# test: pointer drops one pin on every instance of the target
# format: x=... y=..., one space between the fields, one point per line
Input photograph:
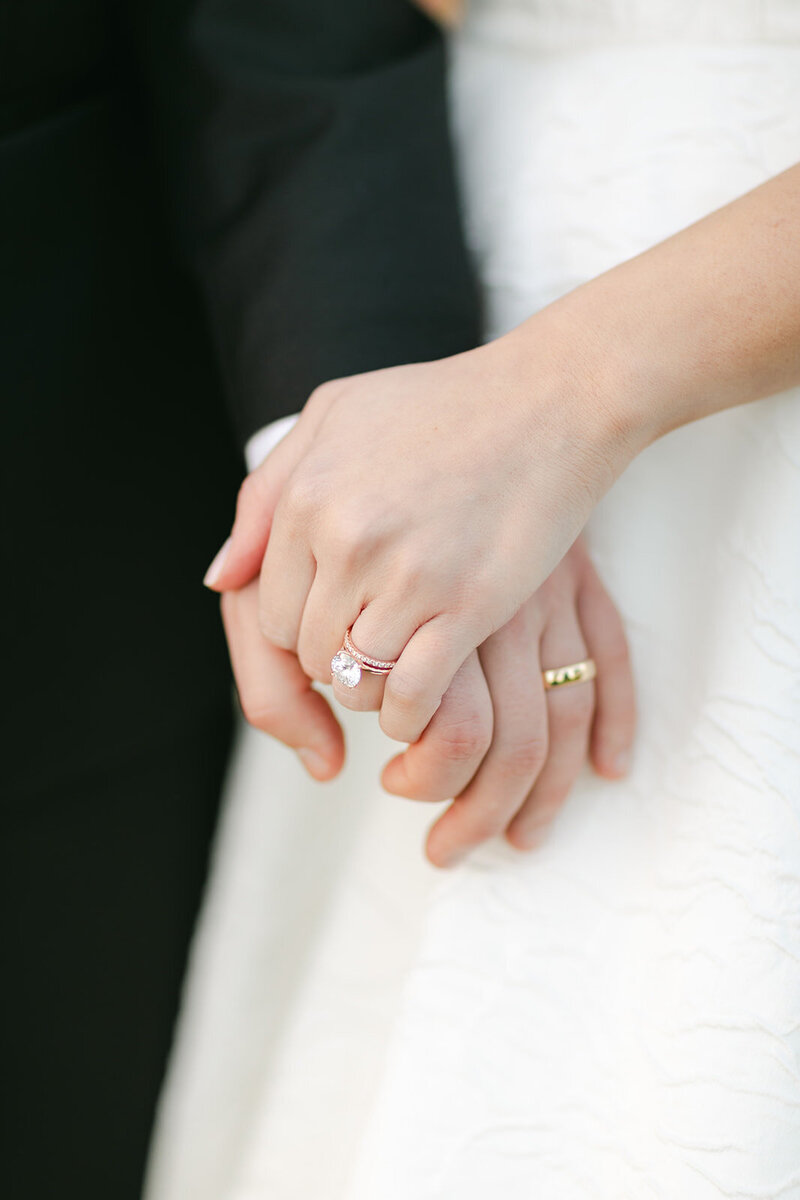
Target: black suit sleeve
x=312 y=182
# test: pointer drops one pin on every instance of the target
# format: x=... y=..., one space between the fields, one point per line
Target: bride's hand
x=508 y=750
x=426 y=503
x=422 y=505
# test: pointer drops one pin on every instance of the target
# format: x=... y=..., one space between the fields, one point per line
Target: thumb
x=239 y=559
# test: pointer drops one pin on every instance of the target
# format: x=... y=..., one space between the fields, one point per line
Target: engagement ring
x=349 y=662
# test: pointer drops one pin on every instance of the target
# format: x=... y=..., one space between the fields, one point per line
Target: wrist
x=577 y=380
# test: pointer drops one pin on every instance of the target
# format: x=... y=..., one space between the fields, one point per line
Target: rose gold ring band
x=348 y=664
x=381 y=666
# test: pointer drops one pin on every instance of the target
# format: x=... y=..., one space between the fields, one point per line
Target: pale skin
x=506 y=750
x=491 y=461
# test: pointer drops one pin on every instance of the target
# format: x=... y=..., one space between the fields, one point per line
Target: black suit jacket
x=270 y=177
x=311 y=179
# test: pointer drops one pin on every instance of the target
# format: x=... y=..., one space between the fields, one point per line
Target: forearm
x=706 y=320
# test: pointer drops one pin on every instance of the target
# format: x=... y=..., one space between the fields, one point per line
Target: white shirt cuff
x=266 y=439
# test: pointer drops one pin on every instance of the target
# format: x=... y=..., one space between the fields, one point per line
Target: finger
x=614 y=722
x=275 y=695
x=569 y=717
x=510 y=660
x=450 y=750
x=287 y=576
x=239 y=559
x=330 y=609
x=424 y=671
x=367 y=696
x=377 y=630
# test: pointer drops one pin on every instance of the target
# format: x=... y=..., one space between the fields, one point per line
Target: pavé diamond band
x=349 y=662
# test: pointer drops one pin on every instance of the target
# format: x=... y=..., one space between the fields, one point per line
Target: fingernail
x=622 y=762
x=313 y=761
x=457 y=857
x=218 y=562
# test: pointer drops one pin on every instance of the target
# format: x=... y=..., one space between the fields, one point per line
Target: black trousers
x=102 y=876
x=119 y=476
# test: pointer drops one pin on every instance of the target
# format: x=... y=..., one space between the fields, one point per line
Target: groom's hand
x=506 y=749
x=420 y=506
x=275 y=694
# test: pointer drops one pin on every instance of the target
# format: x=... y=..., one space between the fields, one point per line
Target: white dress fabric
x=615 y=1016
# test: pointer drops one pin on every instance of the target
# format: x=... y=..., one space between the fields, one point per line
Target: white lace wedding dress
x=616 y=1016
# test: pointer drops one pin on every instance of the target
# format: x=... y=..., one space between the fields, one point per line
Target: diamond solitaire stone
x=345 y=668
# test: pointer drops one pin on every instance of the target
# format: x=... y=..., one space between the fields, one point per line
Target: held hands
x=421 y=505
x=424 y=504
x=506 y=749
x=435 y=509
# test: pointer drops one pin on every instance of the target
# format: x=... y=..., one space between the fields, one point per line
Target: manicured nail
x=215 y=570
x=314 y=763
x=622 y=762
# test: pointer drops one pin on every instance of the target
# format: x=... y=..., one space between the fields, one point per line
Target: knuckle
x=577 y=710
x=313 y=667
x=523 y=759
x=467 y=739
x=407 y=691
x=414 y=571
x=275 y=631
x=349 y=535
x=424 y=781
x=258 y=712
x=305 y=494
x=400 y=727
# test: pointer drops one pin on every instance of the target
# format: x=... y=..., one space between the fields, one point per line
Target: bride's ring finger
x=358 y=680
x=570 y=708
x=366 y=697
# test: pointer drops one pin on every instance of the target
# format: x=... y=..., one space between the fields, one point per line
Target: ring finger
x=569 y=719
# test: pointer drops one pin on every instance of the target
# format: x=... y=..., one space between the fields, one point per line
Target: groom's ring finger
x=570 y=707
x=580 y=672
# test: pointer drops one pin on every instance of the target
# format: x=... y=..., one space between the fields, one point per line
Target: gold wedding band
x=580 y=672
